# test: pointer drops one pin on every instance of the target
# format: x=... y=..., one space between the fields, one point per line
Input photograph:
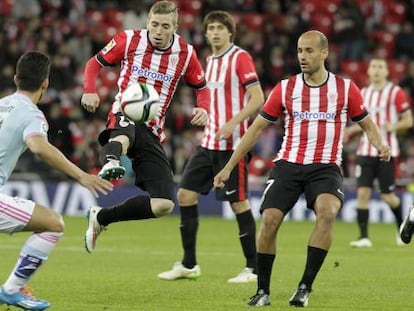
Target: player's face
x=161 y=28
x=217 y=35
x=377 y=71
x=311 y=56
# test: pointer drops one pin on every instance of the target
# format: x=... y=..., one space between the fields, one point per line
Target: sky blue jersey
x=19 y=120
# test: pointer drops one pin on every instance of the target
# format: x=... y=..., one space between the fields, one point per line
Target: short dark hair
x=222 y=17
x=31 y=70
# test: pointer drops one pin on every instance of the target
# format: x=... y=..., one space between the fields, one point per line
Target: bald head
x=316 y=37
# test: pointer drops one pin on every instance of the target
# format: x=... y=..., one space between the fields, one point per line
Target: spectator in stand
x=391 y=110
x=404 y=41
x=407 y=82
x=348 y=30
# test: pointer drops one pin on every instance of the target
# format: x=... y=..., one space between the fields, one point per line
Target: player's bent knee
x=162 y=207
x=186 y=197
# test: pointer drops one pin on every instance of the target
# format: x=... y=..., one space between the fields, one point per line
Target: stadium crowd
x=71 y=31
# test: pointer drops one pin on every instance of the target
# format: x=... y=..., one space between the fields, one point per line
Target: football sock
x=111 y=151
x=33 y=253
x=264 y=271
x=135 y=208
x=188 y=229
x=398 y=215
x=362 y=218
x=247 y=236
x=314 y=261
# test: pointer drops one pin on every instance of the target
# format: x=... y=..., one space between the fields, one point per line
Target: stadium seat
x=385 y=42
x=397 y=70
x=254 y=21
x=355 y=70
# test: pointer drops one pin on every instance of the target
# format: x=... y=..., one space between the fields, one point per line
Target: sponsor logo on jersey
x=309 y=115
x=109 y=46
x=45 y=127
x=153 y=75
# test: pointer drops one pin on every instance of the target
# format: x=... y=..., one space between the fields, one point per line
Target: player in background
x=315 y=105
x=156 y=56
x=22 y=126
x=389 y=108
x=236 y=95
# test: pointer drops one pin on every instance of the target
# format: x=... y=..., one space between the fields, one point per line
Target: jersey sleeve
x=401 y=101
x=114 y=51
x=356 y=108
x=195 y=76
x=246 y=70
x=35 y=124
x=273 y=107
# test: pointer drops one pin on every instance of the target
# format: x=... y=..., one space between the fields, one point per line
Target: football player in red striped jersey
x=315 y=105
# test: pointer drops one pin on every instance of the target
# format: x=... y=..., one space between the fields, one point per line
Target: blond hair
x=164 y=8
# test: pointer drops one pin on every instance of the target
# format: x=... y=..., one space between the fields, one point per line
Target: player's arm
x=405 y=122
x=245 y=145
x=195 y=78
x=39 y=145
x=359 y=114
x=111 y=54
x=374 y=136
x=255 y=101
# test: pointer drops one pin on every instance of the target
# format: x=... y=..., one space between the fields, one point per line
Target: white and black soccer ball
x=140 y=102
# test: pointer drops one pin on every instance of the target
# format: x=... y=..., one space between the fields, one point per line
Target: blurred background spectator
x=70 y=31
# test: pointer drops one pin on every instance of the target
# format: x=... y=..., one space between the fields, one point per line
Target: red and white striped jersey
x=141 y=62
x=384 y=106
x=228 y=76
x=314 y=117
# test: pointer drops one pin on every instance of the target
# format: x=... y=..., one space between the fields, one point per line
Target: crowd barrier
x=70 y=198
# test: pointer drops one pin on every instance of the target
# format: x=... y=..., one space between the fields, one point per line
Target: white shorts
x=15 y=213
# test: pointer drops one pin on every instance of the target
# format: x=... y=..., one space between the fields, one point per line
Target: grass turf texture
x=122 y=273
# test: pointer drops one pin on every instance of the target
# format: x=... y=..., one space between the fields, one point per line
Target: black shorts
x=287 y=181
x=153 y=172
x=204 y=164
x=371 y=168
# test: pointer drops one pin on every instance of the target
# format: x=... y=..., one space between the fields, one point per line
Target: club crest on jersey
x=173 y=60
x=109 y=46
x=333 y=97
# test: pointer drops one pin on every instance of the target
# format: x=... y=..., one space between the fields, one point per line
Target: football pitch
x=122 y=273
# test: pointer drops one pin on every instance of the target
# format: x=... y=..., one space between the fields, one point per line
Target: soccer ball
x=140 y=102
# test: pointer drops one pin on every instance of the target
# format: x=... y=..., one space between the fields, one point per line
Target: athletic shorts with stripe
x=204 y=164
x=370 y=168
x=287 y=181
x=153 y=172
x=15 y=213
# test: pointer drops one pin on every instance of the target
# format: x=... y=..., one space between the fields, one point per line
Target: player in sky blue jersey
x=23 y=126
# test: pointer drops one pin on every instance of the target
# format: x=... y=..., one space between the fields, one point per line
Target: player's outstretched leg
x=94 y=228
x=23 y=299
x=407 y=227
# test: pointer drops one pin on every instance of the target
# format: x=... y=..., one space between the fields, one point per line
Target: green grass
x=122 y=273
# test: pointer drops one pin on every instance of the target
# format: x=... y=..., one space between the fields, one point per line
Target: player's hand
x=226 y=131
x=384 y=153
x=221 y=178
x=96 y=184
x=200 y=117
x=90 y=101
